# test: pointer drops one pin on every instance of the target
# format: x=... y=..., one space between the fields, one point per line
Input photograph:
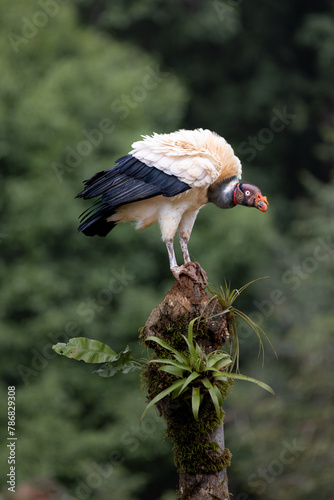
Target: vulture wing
x=197 y=157
x=162 y=164
x=129 y=181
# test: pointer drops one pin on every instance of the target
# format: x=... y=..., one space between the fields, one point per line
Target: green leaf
x=196 y=401
x=214 y=358
x=192 y=376
x=194 y=353
x=162 y=395
x=191 y=330
x=219 y=395
x=176 y=392
x=257 y=329
x=162 y=343
x=219 y=377
x=182 y=366
x=173 y=370
x=212 y=369
x=121 y=362
x=219 y=314
x=199 y=350
x=201 y=364
x=83 y=349
x=238 y=376
x=217 y=358
x=193 y=356
x=224 y=362
x=238 y=292
x=206 y=382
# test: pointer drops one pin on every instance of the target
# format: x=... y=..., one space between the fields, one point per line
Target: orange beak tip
x=261 y=203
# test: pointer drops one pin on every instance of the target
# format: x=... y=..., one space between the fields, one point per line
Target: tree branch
x=199 y=450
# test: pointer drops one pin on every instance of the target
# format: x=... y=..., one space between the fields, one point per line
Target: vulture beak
x=261 y=202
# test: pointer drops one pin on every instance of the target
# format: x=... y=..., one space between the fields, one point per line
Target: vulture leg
x=184 y=247
x=169 y=223
x=184 y=231
x=185 y=228
x=171 y=255
x=175 y=269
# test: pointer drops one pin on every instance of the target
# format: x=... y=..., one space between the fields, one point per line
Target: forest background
x=80 y=81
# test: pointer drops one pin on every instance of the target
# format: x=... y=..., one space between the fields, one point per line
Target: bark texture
x=206 y=486
x=199 y=450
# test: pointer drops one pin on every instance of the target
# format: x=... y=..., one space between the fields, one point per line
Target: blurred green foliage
x=79 y=83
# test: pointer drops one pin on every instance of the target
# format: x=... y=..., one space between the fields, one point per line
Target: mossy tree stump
x=199 y=450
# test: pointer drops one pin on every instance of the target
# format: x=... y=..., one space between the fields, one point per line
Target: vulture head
x=229 y=193
x=249 y=195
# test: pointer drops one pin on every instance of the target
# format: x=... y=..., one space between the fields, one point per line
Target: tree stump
x=199 y=450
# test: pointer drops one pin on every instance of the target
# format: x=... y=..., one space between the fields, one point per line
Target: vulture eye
x=247 y=192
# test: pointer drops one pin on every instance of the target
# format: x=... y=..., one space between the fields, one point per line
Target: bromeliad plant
x=197 y=373
x=226 y=297
x=194 y=372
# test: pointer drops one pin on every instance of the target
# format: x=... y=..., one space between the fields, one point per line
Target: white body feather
x=168 y=211
x=197 y=157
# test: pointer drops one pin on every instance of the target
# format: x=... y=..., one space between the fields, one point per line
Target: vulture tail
x=95 y=224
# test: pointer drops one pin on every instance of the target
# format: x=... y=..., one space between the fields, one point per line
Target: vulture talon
x=192 y=271
x=167 y=178
x=177 y=271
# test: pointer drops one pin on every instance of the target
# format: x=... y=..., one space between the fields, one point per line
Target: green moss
x=225 y=387
x=174 y=334
x=154 y=381
x=192 y=450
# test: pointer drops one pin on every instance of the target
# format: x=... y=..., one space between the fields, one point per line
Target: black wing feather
x=129 y=181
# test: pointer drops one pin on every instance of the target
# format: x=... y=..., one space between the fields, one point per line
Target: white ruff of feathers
x=197 y=157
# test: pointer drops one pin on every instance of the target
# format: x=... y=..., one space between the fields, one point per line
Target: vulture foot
x=191 y=269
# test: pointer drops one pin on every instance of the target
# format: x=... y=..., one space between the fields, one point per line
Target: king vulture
x=167 y=178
